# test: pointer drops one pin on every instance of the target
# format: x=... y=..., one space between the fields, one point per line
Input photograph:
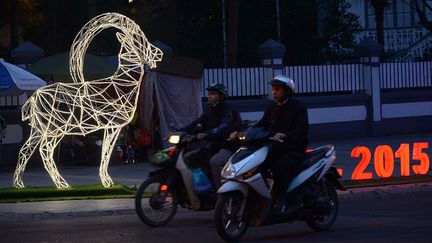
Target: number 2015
x=384 y=160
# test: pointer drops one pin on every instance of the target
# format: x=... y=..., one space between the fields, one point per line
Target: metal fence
x=322 y=79
x=406 y=75
x=326 y=78
x=239 y=81
x=309 y=79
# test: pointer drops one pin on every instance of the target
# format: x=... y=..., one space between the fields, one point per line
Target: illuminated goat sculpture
x=83 y=107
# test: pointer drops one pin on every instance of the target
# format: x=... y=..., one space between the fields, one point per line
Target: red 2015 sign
x=384 y=158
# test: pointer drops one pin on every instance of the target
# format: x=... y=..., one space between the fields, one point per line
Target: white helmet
x=283 y=80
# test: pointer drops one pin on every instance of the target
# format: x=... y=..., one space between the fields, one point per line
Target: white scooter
x=245 y=198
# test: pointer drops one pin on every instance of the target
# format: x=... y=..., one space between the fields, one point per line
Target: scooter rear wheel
x=155 y=202
x=325 y=218
x=231 y=224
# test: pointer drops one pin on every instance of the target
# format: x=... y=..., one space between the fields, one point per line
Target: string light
x=83 y=107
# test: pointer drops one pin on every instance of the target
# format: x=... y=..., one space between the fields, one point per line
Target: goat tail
x=26 y=109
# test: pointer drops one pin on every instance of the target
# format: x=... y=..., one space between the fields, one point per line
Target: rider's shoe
x=280 y=207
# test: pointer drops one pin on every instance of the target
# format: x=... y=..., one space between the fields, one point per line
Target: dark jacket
x=2 y=123
x=290 y=118
x=218 y=122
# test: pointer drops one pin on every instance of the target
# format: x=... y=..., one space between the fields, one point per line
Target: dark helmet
x=219 y=88
x=283 y=80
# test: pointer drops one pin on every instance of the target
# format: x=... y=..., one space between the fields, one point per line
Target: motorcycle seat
x=314 y=156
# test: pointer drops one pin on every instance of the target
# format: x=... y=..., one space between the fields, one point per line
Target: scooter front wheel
x=231 y=216
x=156 y=202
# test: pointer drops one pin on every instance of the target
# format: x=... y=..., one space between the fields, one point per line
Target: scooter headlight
x=229 y=171
x=174 y=139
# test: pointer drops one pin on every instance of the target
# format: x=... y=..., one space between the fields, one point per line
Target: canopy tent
x=27 y=53
x=16 y=84
x=174 y=90
x=56 y=67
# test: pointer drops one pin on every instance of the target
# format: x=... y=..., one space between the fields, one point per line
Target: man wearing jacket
x=215 y=125
x=2 y=128
x=287 y=119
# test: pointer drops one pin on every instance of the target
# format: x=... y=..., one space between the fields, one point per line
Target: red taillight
x=309 y=150
x=164 y=188
x=171 y=151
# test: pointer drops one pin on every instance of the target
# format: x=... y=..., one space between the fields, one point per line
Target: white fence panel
x=239 y=81
x=319 y=79
x=406 y=75
x=327 y=78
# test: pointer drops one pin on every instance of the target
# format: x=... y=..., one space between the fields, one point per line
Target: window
x=403 y=14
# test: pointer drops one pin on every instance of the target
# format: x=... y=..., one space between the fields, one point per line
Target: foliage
x=194 y=29
x=299 y=31
x=200 y=30
x=255 y=19
x=339 y=27
x=52 y=25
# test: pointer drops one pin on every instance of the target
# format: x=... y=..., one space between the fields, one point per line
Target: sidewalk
x=135 y=174
x=127 y=174
x=107 y=207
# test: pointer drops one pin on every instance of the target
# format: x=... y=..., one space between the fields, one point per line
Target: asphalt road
x=401 y=217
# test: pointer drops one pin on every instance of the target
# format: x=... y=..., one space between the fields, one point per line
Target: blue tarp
x=6 y=81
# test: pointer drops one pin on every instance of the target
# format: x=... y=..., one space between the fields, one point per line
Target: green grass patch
x=32 y=194
x=386 y=181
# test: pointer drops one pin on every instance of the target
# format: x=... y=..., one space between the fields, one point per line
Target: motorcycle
x=172 y=184
x=245 y=197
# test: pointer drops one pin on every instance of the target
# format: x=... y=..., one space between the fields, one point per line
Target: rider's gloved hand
x=233 y=135
x=201 y=136
x=278 y=137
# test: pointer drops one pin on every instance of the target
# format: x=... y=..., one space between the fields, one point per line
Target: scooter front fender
x=230 y=186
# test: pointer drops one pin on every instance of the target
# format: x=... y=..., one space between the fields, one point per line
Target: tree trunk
x=379 y=19
x=172 y=23
x=14 y=24
x=52 y=18
x=379 y=6
x=233 y=18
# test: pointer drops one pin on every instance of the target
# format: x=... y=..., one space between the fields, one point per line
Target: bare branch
x=422 y=15
x=428 y=5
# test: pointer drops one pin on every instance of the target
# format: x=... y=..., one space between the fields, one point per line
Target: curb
x=385 y=190
x=370 y=192
x=8 y=217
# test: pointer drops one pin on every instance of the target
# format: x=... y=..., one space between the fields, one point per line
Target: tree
x=14 y=23
x=427 y=23
x=299 y=31
x=379 y=7
x=233 y=20
x=256 y=25
x=200 y=31
x=339 y=27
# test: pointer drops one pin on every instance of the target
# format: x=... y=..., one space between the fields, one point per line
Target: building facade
x=404 y=38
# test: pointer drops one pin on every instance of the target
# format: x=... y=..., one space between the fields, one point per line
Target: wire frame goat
x=82 y=107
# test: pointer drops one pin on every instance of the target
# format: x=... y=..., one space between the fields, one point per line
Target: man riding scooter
x=212 y=129
x=287 y=120
x=303 y=185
